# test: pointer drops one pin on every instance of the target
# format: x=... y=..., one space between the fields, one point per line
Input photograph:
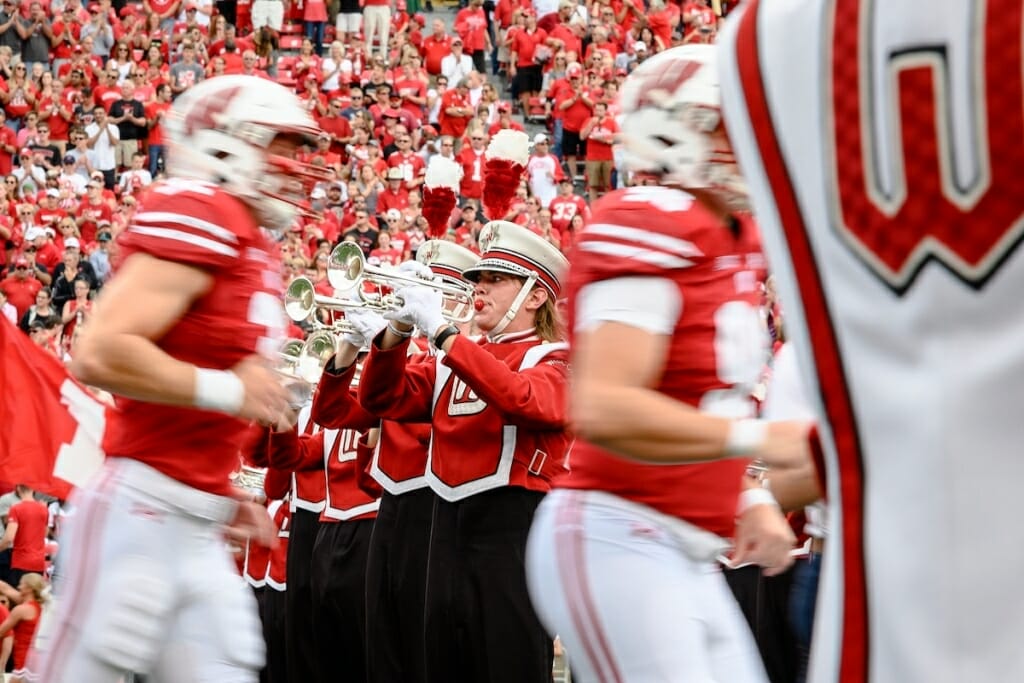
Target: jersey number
x=929 y=146
x=741 y=349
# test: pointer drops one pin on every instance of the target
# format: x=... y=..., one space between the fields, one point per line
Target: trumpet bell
x=299 y=299
x=345 y=266
x=319 y=348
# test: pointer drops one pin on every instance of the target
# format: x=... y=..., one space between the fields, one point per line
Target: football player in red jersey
x=497 y=410
x=668 y=343
x=183 y=336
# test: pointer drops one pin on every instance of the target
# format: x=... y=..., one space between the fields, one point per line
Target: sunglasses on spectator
x=22 y=268
x=475 y=137
x=19 y=68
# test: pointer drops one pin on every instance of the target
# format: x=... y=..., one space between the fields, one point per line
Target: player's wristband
x=745 y=438
x=219 y=390
x=754 y=496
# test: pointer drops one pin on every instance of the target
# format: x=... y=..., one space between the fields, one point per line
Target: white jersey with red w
x=883 y=143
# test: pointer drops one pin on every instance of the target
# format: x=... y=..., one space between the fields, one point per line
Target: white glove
x=416 y=269
x=367 y=324
x=421 y=306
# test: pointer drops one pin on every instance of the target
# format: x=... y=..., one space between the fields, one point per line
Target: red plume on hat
x=440 y=193
x=506 y=158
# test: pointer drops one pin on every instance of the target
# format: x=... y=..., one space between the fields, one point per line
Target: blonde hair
x=37 y=584
x=548 y=322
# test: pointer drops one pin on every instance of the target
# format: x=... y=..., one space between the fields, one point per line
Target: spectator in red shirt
x=456 y=111
x=394 y=196
x=472 y=160
x=8 y=145
x=576 y=108
x=505 y=120
x=599 y=132
x=566 y=205
x=155 y=112
x=26 y=535
x=471 y=24
x=386 y=252
x=22 y=286
x=529 y=51
x=407 y=161
x=435 y=47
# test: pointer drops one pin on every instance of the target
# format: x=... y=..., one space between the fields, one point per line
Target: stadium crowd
x=84 y=88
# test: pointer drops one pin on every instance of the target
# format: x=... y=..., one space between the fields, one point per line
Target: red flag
x=50 y=426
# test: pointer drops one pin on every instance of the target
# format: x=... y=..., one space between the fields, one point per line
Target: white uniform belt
x=698 y=544
x=190 y=502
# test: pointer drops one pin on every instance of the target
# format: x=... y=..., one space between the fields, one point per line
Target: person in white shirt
x=542 y=171
x=456 y=65
x=103 y=139
x=137 y=177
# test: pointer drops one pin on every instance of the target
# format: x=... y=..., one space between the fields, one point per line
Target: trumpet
x=347 y=269
x=301 y=301
x=302 y=363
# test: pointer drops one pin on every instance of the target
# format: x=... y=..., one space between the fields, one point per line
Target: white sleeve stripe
x=656 y=258
x=675 y=245
x=217 y=231
x=186 y=237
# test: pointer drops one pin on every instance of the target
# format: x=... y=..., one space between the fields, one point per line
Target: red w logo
x=666 y=81
x=204 y=114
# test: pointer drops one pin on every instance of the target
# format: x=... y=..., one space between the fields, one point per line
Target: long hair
x=548 y=321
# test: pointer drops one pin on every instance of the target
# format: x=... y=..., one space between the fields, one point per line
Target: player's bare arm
x=118 y=351
x=615 y=406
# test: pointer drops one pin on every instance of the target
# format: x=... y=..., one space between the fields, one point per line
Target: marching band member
x=497 y=410
x=668 y=343
x=397 y=563
x=337 y=561
x=182 y=335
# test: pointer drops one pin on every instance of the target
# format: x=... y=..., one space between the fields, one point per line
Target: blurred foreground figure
x=668 y=345
x=883 y=150
x=181 y=336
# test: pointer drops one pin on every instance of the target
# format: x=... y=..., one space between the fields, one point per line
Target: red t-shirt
x=434 y=50
x=29 y=551
x=524 y=44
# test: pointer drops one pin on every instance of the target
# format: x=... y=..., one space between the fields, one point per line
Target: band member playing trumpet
x=397 y=564
x=498 y=412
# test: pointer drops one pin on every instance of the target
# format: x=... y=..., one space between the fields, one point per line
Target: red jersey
x=197 y=224
x=714 y=357
x=386 y=200
x=29 y=551
x=564 y=208
x=498 y=410
x=412 y=165
x=472 y=183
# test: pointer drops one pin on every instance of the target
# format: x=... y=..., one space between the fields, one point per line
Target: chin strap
x=513 y=309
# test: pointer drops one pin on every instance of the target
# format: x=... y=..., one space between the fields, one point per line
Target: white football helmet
x=220 y=131
x=671 y=124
